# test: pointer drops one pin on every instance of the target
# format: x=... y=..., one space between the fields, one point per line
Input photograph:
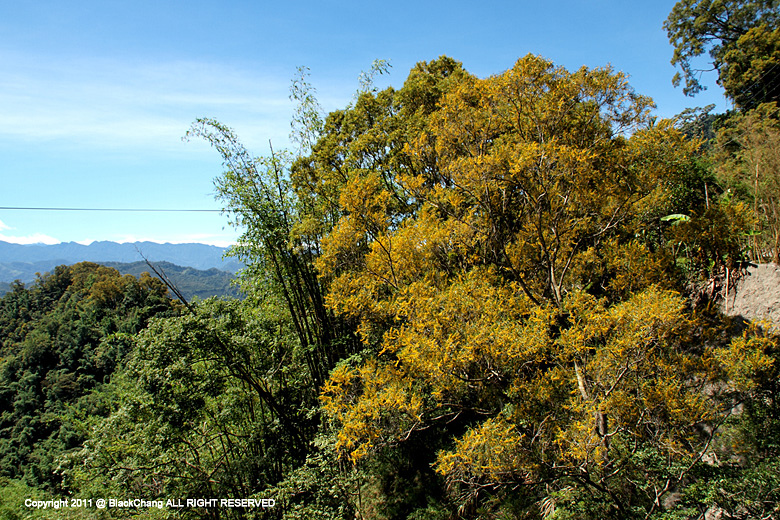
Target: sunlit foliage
x=471 y=272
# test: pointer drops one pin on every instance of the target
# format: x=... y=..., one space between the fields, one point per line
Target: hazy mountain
x=190 y=281
x=25 y=271
x=23 y=261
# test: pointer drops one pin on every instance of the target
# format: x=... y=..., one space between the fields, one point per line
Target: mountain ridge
x=22 y=261
x=190 y=281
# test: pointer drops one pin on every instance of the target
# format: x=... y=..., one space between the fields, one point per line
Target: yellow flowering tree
x=506 y=301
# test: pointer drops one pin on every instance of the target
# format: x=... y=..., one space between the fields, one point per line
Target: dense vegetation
x=467 y=298
x=190 y=282
x=63 y=339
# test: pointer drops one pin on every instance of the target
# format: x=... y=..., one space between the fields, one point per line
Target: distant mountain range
x=197 y=269
x=23 y=261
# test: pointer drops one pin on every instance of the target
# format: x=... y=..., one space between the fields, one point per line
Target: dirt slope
x=757 y=294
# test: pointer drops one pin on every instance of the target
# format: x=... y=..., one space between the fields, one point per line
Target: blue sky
x=96 y=96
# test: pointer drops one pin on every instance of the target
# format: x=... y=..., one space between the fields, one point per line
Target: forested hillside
x=191 y=282
x=467 y=298
x=63 y=339
x=22 y=262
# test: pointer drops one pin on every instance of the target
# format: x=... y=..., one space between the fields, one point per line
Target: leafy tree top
x=695 y=27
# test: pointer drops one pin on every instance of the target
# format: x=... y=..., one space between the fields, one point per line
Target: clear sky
x=95 y=96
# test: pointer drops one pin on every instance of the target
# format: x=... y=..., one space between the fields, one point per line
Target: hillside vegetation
x=62 y=341
x=191 y=282
x=467 y=298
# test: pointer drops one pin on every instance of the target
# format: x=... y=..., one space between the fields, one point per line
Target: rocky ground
x=756 y=294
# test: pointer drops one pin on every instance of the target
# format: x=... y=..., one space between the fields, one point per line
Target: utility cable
x=158 y=210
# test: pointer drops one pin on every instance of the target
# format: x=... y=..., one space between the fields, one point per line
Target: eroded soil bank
x=756 y=294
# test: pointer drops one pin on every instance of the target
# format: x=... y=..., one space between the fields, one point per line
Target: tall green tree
x=212 y=404
x=751 y=71
x=276 y=247
x=739 y=37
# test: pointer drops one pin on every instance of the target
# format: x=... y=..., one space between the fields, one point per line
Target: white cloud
x=109 y=103
x=36 y=238
x=4 y=226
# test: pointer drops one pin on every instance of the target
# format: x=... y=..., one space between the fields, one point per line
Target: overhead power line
x=157 y=210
